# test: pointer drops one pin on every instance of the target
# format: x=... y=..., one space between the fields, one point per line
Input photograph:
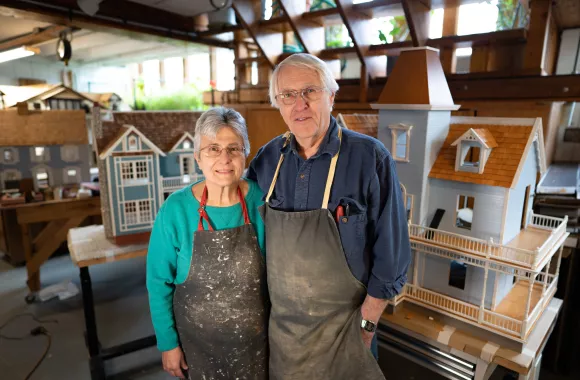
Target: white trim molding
x=130 y=129
x=396 y=130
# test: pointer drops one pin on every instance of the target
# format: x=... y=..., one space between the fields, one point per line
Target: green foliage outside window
x=188 y=98
x=337 y=36
x=511 y=15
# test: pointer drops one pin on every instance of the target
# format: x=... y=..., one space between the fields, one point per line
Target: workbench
x=58 y=217
x=88 y=246
x=423 y=337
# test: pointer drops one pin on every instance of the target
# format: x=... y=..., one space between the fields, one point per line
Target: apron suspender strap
x=273 y=184
x=329 y=179
x=203 y=214
x=331 y=172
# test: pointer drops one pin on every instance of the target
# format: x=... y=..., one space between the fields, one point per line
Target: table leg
x=96 y=361
x=484 y=370
x=33 y=281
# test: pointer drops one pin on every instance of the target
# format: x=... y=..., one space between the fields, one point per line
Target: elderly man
x=336 y=232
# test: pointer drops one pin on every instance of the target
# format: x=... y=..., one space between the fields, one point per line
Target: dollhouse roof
x=513 y=140
x=163 y=129
x=361 y=123
x=482 y=135
x=17 y=94
x=58 y=127
x=417 y=82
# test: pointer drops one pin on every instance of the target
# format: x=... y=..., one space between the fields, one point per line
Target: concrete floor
x=122 y=315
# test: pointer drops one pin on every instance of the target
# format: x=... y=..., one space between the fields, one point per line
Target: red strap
x=203 y=214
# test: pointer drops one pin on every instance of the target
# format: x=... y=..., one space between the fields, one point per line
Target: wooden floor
x=530 y=238
x=514 y=303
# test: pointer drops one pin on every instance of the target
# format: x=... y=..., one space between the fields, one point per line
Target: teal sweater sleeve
x=170 y=250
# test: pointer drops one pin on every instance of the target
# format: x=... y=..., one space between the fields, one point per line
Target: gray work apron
x=315 y=320
x=221 y=309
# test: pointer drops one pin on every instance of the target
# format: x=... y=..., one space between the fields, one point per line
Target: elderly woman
x=338 y=244
x=205 y=268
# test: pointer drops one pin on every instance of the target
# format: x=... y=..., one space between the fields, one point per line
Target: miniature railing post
x=532 y=280
x=545 y=282
x=416 y=269
x=486 y=271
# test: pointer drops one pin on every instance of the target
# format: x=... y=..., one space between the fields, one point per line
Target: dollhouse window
x=8 y=177
x=134 y=173
x=144 y=211
x=464 y=212
x=130 y=213
x=401 y=138
x=132 y=143
x=69 y=153
x=187 y=144
x=470 y=155
x=473 y=149
x=9 y=156
x=39 y=154
x=137 y=212
x=42 y=178
x=408 y=199
x=71 y=175
x=457 y=274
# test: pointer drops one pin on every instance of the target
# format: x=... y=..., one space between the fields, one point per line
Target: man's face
x=306 y=119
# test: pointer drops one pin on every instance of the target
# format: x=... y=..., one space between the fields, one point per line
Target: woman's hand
x=174 y=362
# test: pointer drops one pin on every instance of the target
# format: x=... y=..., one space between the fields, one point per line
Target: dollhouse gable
x=130 y=140
x=183 y=144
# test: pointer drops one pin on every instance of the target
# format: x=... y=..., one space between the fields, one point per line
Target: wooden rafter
x=269 y=43
x=417 y=13
x=541 y=19
x=308 y=31
x=120 y=17
x=33 y=38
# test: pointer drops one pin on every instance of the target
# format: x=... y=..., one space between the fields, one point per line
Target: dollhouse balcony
x=171 y=184
x=530 y=248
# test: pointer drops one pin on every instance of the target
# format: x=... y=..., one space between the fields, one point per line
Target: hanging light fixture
x=21 y=52
x=64 y=48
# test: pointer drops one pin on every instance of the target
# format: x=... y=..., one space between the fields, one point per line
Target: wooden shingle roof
x=367 y=124
x=162 y=128
x=512 y=142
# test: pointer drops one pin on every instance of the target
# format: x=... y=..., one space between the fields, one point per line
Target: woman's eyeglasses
x=310 y=94
x=215 y=150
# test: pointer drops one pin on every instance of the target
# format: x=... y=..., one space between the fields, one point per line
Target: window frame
x=470 y=228
x=66 y=176
x=3 y=174
x=40 y=159
x=135 y=176
x=15 y=155
x=72 y=150
x=401 y=128
x=142 y=213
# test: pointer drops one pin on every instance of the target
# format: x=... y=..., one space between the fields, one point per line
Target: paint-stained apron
x=221 y=309
x=315 y=320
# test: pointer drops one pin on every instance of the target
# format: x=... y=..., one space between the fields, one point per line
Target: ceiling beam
x=307 y=31
x=115 y=17
x=417 y=13
x=33 y=38
x=270 y=44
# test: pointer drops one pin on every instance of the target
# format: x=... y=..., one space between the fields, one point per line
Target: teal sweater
x=170 y=250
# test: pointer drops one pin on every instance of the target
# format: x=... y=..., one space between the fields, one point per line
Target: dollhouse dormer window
x=187 y=144
x=39 y=154
x=401 y=141
x=473 y=149
x=132 y=143
x=9 y=156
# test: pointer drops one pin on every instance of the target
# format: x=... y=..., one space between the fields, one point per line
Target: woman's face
x=220 y=167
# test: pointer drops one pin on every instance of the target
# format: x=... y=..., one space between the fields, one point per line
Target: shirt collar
x=330 y=144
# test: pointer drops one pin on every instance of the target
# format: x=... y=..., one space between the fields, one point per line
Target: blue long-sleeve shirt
x=374 y=236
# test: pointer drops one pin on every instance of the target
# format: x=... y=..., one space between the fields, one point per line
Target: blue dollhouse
x=142 y=157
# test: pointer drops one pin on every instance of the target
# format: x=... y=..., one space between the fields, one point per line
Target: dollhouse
x=142 y=157
x=468 y=185
x=49 y=147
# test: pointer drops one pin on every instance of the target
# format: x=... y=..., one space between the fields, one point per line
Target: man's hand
x=174 y=362
x=367 y=338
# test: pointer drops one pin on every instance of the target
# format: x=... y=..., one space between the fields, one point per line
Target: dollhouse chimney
x=414 y=113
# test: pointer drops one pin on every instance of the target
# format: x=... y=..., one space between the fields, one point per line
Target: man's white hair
x=308 y=61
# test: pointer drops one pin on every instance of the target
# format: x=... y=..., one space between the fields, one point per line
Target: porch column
x=559 y=260
x=545 y=282
x=486 y=271
x=532 y=280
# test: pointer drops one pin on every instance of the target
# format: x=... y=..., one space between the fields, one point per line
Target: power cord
x=38 y=330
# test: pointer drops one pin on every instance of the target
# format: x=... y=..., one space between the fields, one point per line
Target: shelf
x=318 y=16
x=335 y=53
x=275 y=24
x=243 y=61
x=393 y=48
x=225 y=29
x=375 y=4
x=502 y=36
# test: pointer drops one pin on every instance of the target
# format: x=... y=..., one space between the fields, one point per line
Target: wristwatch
x=368 y=325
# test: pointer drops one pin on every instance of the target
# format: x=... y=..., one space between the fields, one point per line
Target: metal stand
x=99 y=355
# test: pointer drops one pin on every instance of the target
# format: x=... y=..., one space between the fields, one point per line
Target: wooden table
x=88 y=246
x=419 y=324
x=59 y=216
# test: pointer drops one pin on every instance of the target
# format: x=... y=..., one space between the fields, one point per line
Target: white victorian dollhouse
x=480 y=255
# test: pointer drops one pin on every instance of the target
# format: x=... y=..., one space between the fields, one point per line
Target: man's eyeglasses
x=310 y=94
x=215 y=150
